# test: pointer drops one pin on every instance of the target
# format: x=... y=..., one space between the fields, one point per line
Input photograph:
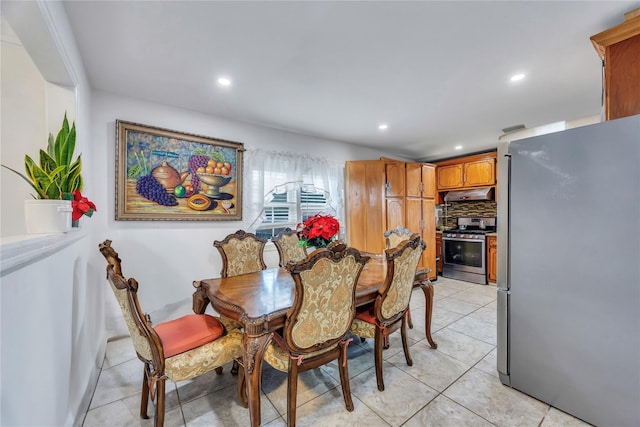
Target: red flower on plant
x=81 y=206
x=318 y=230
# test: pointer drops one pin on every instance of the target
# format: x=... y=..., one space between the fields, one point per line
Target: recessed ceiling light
x=458 y=147
x=383 y=126
x=517 y=77
x=223 y=81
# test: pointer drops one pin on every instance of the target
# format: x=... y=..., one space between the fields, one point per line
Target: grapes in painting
x=149 y=188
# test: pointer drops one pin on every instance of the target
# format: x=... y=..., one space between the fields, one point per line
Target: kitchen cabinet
x=383 y=194
x=619 y=49
x=492 y=259
x=420 y=213
x=466 y=172
x=365 y=205
x=439 y=252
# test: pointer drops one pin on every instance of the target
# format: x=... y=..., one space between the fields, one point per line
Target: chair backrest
x=324 y=301
x=396 y=236
x=241 y=253
x=145 y=339
x=395 y=293
x=288 y=247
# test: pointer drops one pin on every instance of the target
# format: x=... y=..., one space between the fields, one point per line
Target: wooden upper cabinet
x=420 y=180
x=619 y=48
x=450 y=177
x=478 y=170
x=479 y=173
x=395 y=185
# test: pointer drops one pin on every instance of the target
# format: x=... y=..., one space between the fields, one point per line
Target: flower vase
x=75 y=223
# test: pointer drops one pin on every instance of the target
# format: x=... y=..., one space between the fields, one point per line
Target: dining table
x=259 y=302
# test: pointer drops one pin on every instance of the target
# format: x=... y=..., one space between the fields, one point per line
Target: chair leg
x=234 y=368
x=409 y=319
x=405 y=345
x=160 y=395
x=218 y=370
x=377 y=350
x=344 y=377
x=144 y=401
x=242 y=388
x=292 y=393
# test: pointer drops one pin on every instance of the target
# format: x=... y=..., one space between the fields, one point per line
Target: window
x=282 y=189
x=286 y=209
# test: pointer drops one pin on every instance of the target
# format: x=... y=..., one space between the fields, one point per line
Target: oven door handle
x=455 y=239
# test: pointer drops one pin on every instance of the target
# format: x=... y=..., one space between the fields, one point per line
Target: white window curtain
x=264 y=170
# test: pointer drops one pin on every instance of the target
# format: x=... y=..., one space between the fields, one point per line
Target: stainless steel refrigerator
x=569 y=270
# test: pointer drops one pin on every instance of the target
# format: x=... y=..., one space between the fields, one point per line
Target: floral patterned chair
x=319 y=319
x=177 y=350
x=389 y=311
x=397 y=235
x=288 y=247
x=241 y=253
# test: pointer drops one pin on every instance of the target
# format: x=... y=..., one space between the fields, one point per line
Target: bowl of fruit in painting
x=214 y=182
x=215 y=175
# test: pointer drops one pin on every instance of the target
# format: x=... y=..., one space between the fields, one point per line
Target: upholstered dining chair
x=389 y=311
x=289 y=249
x=397 y=235
x=319 y=319
x=178 y=349
x=393 y=238
x=241 y=253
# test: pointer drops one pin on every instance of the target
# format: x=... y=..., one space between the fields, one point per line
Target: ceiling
x=436 y=72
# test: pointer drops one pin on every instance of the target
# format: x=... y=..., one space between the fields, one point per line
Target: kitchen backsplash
x=453 y=210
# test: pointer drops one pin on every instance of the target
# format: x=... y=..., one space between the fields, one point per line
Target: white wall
x=53 y=336
x=166 y=257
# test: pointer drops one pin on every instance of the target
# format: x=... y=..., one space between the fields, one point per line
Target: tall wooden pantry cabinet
x=382 y=194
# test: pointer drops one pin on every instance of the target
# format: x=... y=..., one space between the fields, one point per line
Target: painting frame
x=183 y=176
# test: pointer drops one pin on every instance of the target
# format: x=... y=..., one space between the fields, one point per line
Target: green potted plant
x=57 y=177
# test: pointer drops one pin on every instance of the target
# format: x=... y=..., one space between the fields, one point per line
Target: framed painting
x=174 y=176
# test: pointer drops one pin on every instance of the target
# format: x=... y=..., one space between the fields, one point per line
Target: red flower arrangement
x=318 y=230
x=81 y=206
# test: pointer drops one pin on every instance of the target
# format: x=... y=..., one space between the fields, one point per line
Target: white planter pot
x=47 y=216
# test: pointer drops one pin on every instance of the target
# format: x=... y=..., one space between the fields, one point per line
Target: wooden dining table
x=259 y=301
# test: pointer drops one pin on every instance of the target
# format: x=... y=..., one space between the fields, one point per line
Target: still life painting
x=168 y=175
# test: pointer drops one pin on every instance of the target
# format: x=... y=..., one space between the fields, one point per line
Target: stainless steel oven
x=464 y=250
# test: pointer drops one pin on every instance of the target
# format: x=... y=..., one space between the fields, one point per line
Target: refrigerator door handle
x=503 y=336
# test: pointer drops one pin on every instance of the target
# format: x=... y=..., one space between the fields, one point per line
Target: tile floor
x=454 y=385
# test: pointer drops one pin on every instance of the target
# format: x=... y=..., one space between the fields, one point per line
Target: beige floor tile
x=457 y=306
x=432 y=367
x=462 y=347
x=475 y=298
x=485 y=395
x=392 y=404
x=475 y=328
x=117 y=383
x=444 y=412
x=222 y=408
x=126 y=412
x=443 y=317
x=488 y=315
x=329 y=410
x=311 y=384
x=206 y=383
x=489 y=364
x=119 y=350
x=557 y=418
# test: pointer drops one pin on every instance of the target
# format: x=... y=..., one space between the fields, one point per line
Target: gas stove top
x=475 y=228
x=469 y=231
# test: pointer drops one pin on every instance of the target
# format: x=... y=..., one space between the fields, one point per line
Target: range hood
x=485 y=193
